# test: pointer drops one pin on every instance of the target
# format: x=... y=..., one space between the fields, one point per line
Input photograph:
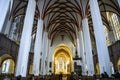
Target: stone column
x=6 y=21
x=48 y=56
x=42 y=55
x=78 y=47
x=88 y=47
x=9 y=23
x=21 y=68
x=79 y=62
x=45 y=53
x=37 y=49
x=103 y=55
x=82 y=52
x=4 y=6
x=44 y=48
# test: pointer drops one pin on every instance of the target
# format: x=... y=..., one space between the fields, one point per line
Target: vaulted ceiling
x=65 y=16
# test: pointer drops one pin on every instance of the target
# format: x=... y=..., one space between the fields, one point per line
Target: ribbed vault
x=65 y=16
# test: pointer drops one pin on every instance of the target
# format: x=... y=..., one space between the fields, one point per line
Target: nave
x=46 y=38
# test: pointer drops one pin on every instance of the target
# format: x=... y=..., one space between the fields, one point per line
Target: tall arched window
x=106 y=32
x=116 y=26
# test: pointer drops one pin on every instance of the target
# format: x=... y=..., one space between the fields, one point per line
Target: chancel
x=59 y=38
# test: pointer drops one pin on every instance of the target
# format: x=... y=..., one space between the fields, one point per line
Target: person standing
x=6 y=78
x=72 y=76
x=19 y=77
x=60 y=76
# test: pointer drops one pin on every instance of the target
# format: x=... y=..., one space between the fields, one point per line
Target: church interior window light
x=116 y=25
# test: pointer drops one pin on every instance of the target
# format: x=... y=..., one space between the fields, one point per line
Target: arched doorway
x=7 y=64
x=62 y=60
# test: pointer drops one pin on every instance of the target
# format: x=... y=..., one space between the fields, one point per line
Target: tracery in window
x=116 y=26
x=106 y=32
